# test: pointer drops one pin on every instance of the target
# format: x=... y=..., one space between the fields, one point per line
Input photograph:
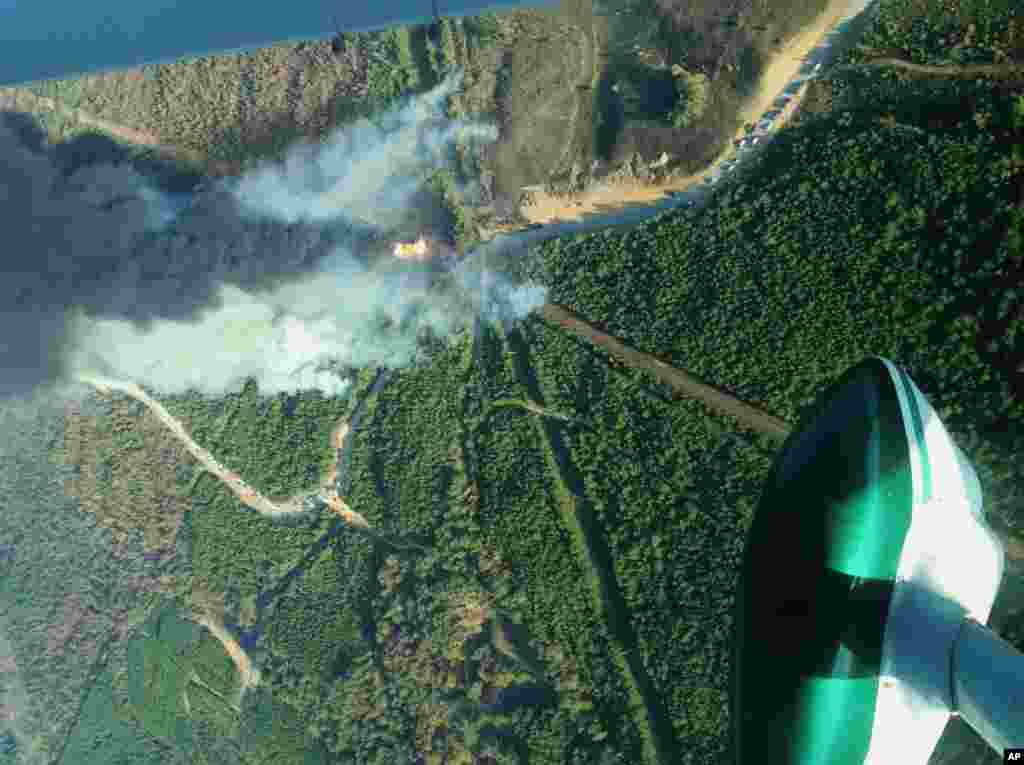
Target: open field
x=545 y=207
x=785 y=61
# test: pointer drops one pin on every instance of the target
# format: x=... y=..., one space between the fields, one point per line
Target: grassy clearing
x=182 y=686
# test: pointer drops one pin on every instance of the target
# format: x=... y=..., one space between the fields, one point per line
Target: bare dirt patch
x=22 y=100
x=248 y=675
x=544 y=58
x=608 y=198
x=614 y=197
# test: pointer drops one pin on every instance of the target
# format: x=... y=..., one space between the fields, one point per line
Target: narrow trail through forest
x=1009 y=70
x=19 y=99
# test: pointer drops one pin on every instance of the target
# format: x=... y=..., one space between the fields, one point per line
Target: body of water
x=40 y=42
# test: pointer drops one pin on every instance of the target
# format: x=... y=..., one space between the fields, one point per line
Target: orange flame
x=412 y=250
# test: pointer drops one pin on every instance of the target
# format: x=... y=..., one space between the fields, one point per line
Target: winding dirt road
x=18 y=99
x=248 y=674
x=248 y=495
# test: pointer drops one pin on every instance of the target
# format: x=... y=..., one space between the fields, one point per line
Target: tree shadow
x=749 y=67
x=619 y=622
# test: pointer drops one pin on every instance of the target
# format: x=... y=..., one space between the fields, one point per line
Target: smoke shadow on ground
x=93 y=147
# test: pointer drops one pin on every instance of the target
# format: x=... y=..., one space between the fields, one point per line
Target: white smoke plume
x=259 y=277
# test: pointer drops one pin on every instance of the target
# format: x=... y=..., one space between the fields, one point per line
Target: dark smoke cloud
x=260 y=277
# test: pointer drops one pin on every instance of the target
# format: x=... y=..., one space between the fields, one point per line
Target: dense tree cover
x=65 y=599
x=242 y=425
x=406 y=477
x=279 y=445
x=317 y=603
x=273 y=732
x=522 y=510
x=656 y=508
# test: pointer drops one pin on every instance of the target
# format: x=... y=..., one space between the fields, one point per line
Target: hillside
x=584 y=541
x=557 y=82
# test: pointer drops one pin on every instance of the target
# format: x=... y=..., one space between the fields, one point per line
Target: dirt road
x=248 y=675
x=21 y=100
x=248 y=495
x=18 y=99
x=1011 y=70
x=780 y=70
x=747 y=415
